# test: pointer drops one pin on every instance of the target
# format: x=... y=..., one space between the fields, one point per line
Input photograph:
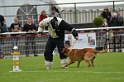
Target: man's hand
x=15 y=30
x=39 y=35
x=34 y=30
x=76 y=37
x=30 y=31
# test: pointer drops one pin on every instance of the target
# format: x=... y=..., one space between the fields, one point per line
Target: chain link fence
x=33 y=45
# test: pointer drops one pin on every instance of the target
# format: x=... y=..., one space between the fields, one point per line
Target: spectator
x=5 y=27
x=31 y=28
x=120 y=19
x=106 y=14
x=1 y=31
x=15 y=27
x=1 y=20
x=57 y=10
x=42 y=16
x=113 y=21
x=53 y=12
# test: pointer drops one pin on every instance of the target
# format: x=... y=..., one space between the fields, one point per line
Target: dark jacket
x=113 y=22
x=106 y=15
x=120 y=21
x=1 y=31
x=28 y=27
x=1 y=20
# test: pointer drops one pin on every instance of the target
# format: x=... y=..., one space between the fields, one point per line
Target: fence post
x=107 y=40
x=75 y=12
x=36 y=15
x=120 y=43
x=114 y=42
x=113 y=6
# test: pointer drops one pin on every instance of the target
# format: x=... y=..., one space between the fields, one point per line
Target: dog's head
x=65 y=51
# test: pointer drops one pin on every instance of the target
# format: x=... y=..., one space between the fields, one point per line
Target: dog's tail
x=103 y=51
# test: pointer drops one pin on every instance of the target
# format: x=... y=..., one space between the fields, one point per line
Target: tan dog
x=87 y=54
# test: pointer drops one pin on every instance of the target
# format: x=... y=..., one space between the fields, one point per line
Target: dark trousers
x=50 y=46
x=30 y=43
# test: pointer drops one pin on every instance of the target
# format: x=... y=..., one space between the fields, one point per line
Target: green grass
x=109 y=67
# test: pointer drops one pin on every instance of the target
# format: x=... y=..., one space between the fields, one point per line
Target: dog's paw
x=65 y=67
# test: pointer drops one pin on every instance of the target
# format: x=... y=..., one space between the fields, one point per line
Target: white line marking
x=75 y=72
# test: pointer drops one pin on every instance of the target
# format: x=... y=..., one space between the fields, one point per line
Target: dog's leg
x=92 y=62
x=87 y=59
x=78 y=63
x=88 y=62
x=71 y=62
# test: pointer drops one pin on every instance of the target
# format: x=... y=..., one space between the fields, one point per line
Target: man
x=53 y=13
x=120 y=19
x=106 y=14
x=3 y=23
x=15 y=27
x=1 y=31
x=31 y=29
x=113 y=21
x=1 y=20
x=56 y=28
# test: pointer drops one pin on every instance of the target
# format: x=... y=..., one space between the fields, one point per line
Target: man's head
x=106 y=9
x=114 y=15
x=16 y=20
x=118 y=14
x=29 y=20
x=53 y=10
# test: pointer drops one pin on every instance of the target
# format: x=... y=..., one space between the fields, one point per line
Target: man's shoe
x=48 y=64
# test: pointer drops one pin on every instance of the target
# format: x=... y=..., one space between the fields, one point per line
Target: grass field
x=109 y=67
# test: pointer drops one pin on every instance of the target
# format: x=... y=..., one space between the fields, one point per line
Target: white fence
x=84 y=16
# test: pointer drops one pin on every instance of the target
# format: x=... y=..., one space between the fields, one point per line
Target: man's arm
x=40 y=29
x=75 y=34
x=70 y=28
x=35 y=28
x=11 y=27
x=24 y=28
x=2 y=19
x=42 y=25
x=20 y=29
